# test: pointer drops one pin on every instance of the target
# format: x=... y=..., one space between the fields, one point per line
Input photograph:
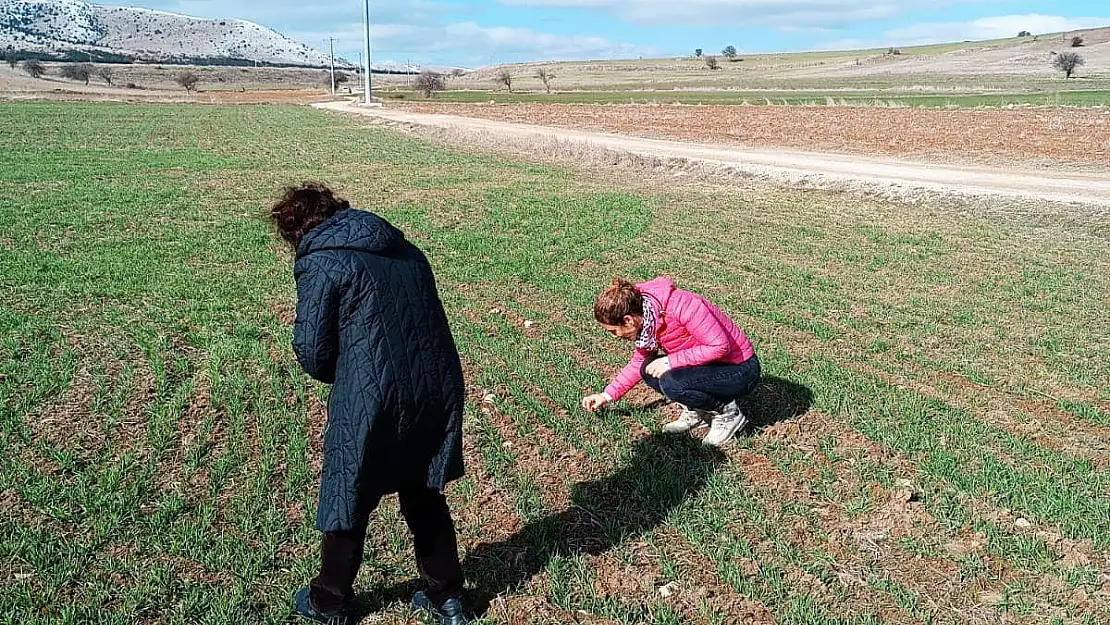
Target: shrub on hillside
x=505 y=77
x=106 y=73
x=1076 y=42
x=428 y=83
x=1067 y=62
x=545 y=77
x=80 y=72
x=711 y=62
x=187 y=79
x=34 y=68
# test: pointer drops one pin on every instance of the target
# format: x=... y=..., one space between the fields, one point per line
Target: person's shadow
x=659 y=473
x=775 y=399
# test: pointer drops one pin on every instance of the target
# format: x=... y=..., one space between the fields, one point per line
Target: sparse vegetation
x=106 y=73
x=458 y=71
x=505 y=77
x=34 y=68
x=187 y=79
x=1025 y=33
x=1077 y=42
x=341 y=77
x=11 y=58
x=711 y=62
x=428 y=83
x=729 y=52
x=77 y=71
x=1067 y=62
x=697 y=53
x=545 y=77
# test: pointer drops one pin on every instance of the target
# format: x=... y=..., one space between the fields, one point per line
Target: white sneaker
x=725 y=425
x=688 y=420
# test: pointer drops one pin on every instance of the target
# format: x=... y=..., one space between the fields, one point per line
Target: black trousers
x=437 y=553
x=706 y=387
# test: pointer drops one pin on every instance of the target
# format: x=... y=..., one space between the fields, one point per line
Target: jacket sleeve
x=316 y=330
x=711 y=342
x=628 y=377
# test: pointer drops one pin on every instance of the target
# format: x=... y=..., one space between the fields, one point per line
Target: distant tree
x=729 y=52
x=11 y=58
x=78 y=72
x=697 y=53
x=187 y=79
x=1077 y=42
x=429 y=82
x=504 y=77
x=34 y=67
x=545 y=77
x=341 y=77
x=458 y=71
x=106 y=73
x=1025 y=33
x=711 y=62
x=1067 y=62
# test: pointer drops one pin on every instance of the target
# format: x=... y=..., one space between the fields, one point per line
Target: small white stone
x=1022 y=523
x=903 y=483
x=495 y=311
x=668 y=589
x=489 y=398
x=528 y=324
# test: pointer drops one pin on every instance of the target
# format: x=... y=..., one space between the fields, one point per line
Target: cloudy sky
x=472 y=33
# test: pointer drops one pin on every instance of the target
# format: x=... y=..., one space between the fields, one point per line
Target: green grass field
x=832 y=98
x=930 y=440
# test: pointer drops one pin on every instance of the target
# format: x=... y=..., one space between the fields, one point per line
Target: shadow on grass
x=659 y=473
x=773 y=400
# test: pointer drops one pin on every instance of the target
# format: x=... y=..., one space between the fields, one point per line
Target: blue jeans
x=706 y=387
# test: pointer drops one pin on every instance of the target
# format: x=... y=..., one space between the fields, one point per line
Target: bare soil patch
x=1075 y=137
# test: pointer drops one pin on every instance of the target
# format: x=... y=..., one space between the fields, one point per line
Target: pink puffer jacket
x=691 y=331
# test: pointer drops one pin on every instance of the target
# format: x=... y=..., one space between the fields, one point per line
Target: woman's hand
x=592 y=403
x=658 y=367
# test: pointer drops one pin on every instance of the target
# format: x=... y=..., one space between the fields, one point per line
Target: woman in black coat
x=370 y=323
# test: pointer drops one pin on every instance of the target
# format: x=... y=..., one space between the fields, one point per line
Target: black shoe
x=302 y=607
x=450 y=613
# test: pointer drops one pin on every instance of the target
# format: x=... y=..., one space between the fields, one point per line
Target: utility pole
x=366 y=50
x=331 y=43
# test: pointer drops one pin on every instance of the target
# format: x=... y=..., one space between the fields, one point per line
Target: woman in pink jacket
x=686 y=349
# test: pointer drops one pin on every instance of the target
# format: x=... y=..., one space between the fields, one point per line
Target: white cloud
x=469 y=43
x=997 y=27
x=779 y=13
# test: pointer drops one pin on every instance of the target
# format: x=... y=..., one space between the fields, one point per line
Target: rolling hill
x=72 y=27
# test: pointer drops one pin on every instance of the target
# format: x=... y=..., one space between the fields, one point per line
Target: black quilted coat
x=370 y=322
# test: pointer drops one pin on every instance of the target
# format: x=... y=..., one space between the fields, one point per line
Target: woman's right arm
x=628 y=377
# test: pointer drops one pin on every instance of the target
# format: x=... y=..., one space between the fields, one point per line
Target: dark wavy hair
x=302 y=208
x=620 y=299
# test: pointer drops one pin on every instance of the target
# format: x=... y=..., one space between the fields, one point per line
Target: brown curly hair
x=302 y=208
x=620 y=299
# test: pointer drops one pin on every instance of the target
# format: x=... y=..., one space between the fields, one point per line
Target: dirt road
x=793 y=167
